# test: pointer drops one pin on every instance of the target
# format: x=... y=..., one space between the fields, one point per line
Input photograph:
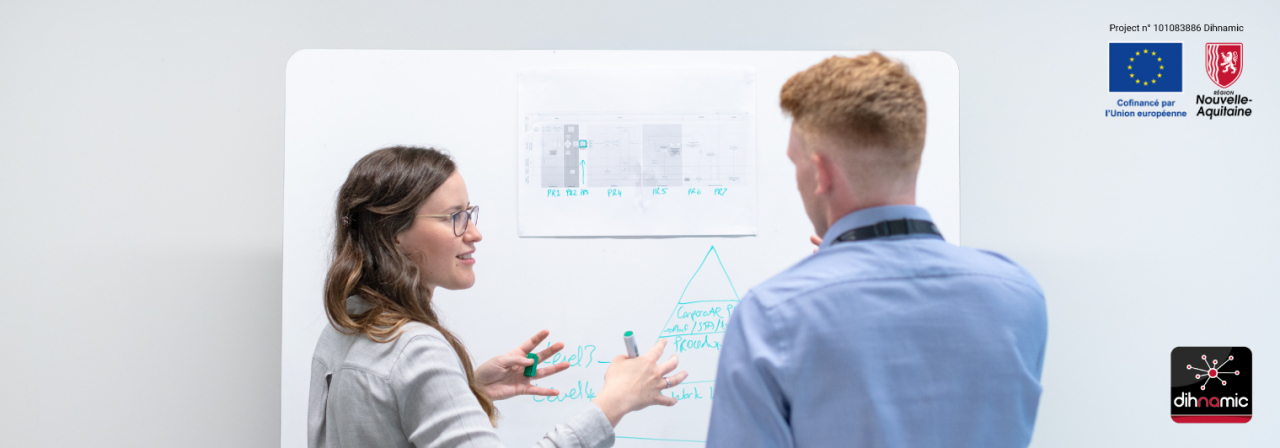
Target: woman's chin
x=460 y=282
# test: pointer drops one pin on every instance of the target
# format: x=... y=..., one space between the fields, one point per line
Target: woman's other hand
x=503 y=376
x=632 y=384
x=817 y=242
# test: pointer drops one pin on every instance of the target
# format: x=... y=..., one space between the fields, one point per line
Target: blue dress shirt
x=906 y=341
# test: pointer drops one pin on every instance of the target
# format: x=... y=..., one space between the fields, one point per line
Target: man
x=887 y=335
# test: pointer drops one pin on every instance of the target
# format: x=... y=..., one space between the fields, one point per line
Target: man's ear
x=824 y=170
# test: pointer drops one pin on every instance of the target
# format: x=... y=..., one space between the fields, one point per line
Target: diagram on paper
x=613 y=151
x=673 y=166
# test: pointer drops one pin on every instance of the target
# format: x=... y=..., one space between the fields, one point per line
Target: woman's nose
x=472 y=234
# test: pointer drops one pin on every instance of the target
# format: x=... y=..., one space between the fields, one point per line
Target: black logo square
x=1211 y=384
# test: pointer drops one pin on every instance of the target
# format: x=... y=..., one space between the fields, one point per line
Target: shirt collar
x=869 y=216
x=357 y=305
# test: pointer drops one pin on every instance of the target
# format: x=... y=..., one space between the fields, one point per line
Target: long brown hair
x=378 y=201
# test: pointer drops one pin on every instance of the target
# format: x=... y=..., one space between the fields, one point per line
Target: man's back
x=887 y=342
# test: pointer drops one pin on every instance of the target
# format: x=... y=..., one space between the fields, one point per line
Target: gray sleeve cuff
x=594 y=427
x=588 y=429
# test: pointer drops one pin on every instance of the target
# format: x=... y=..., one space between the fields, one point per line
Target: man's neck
x=836 y=212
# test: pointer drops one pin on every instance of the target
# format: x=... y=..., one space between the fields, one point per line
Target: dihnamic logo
x=1211 y=385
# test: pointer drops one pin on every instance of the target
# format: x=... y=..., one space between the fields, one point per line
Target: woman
x=386 y=373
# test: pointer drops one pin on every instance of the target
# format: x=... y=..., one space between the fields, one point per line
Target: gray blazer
x=411 y=392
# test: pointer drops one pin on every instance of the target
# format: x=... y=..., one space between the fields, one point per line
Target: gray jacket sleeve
x=438 y=410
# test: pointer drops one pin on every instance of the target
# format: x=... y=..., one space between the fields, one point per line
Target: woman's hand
x=503 y=376
x=816 y=242
x=632 y=384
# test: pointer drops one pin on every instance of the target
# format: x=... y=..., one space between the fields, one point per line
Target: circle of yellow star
x=1160 y=75
x=1137 y=54
x=1144 y=83
x=1153 y=81
x=1137 y=81
x=1144 y=50
x=1159 y=59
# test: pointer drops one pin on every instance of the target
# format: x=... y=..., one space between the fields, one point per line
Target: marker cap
x=531 y=370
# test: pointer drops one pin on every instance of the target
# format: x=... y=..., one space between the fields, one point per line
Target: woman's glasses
x=460 y=219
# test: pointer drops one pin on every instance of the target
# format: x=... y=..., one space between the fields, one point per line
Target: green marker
x=630 y=340
x=532 y=370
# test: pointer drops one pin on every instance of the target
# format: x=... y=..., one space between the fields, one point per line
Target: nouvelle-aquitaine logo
x=1224 y=62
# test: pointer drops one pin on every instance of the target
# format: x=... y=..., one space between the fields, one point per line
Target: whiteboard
x=342 y=104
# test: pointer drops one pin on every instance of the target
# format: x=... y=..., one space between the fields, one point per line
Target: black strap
x=885 y=229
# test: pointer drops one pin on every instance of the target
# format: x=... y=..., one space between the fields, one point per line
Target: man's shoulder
x=857 y=264
x=960 y=260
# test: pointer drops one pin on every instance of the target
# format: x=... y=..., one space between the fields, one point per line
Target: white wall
x=141 y=161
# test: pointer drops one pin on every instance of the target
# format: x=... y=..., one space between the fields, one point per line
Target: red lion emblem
x=1224 y=63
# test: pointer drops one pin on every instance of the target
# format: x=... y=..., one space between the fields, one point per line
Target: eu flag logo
x=1146 y=67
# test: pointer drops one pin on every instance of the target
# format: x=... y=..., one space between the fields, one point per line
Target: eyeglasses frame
x=470 y=211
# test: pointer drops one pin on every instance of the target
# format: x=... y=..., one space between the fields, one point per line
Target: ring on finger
x=668 y=382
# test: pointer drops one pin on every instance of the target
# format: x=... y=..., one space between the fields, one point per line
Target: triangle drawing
x=696 y=325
